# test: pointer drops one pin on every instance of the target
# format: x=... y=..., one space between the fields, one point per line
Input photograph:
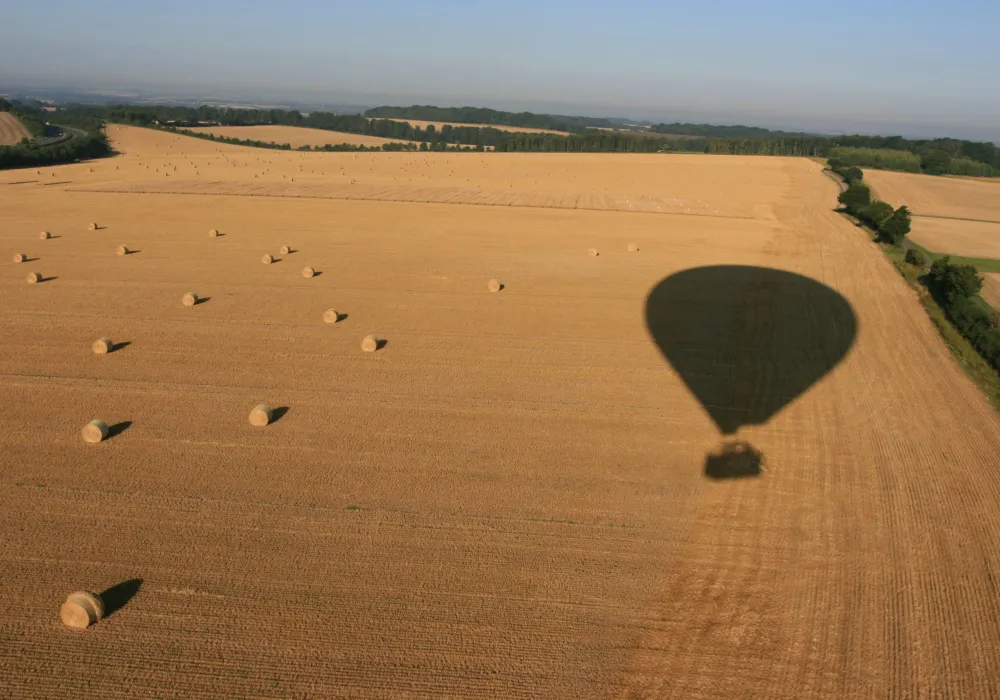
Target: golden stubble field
x=292 y=135
x=959 y=216
x=12 y=131
x=507 y=500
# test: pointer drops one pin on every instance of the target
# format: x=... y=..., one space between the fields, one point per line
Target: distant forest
x=481 y=115
x=931 y=156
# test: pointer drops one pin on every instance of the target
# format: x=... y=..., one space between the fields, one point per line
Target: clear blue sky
x=904 y=66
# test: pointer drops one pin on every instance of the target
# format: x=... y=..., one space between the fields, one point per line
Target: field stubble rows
x=505 y=501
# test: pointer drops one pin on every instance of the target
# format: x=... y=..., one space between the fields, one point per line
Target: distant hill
x=482 y=115
x=725 y=132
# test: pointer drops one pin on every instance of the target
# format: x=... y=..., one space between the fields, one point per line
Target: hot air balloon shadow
x=747 y=341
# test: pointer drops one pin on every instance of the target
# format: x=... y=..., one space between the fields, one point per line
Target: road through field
x=510 y=498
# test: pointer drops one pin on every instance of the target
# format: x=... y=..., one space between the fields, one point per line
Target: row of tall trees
x=481 y=115
x=890 y=224
x=955 y=288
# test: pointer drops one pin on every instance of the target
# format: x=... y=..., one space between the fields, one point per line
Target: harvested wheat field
x=991 y=289
x=12 y=131
x=958 y=216
x=294 y=136
x=539 y=493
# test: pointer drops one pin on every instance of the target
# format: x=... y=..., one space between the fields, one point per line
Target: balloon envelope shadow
x=747 y=341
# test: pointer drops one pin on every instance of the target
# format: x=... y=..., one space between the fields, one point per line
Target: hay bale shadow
x=735 y=460
x=118 y=429
x=115 y=347
x=381 y=343
x=278 y=413
x=118 y=596
x=317 y=273
x=43 y=280
x=202 y=300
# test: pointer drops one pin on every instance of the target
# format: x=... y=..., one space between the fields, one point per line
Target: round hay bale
x=213 y=233
x=632 y=247
x=284 y=250
x=102 y=346
x=34 y=277
x=94 y=431
x=122 y=250
x=369 y=344
x=331 y=316
x=81 y=610
x=189 y=299
x=308 y=272
x=267 y=259
x=494 y=285
x=45 y=235
x=261 y=415
x=592 y=252
x=92 y=226
x=19 y=257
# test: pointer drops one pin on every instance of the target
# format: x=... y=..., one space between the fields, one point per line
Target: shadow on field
x=118 y=596
x=118 y=429
x=278 y=413
x=202 y=300
x=115 y=347
x=734 y=461
x=42 y=279
x=747 y=341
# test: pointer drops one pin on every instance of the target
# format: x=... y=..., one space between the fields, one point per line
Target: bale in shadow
x=118 y=596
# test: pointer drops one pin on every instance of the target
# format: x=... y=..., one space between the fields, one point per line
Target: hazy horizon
x=923 y=71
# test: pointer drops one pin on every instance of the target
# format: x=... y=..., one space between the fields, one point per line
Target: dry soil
x=509 y=498
x=12 y=131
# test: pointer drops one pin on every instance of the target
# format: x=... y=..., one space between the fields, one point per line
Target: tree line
x=482 y=115
x=392 y=146
x=954 y=287
x=890 y=225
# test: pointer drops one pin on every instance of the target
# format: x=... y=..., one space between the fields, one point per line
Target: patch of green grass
x=353 y=507
x=981 y=264
x=974 y=366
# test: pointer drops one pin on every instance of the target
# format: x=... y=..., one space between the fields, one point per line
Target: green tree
x=897 y=226
x=916 y=258
x=856 y=197
x=876 y=214
x=935 y=162
x=954 y=282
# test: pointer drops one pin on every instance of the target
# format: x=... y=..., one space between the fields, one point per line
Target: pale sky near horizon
x=917 y=68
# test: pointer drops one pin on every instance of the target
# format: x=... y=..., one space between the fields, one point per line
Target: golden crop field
x=533 y=493
x=959 y=216
x=294 y=136
x=12 y=131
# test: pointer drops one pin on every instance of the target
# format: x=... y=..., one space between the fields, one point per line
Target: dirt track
x=509 y=499
x=12 y=131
